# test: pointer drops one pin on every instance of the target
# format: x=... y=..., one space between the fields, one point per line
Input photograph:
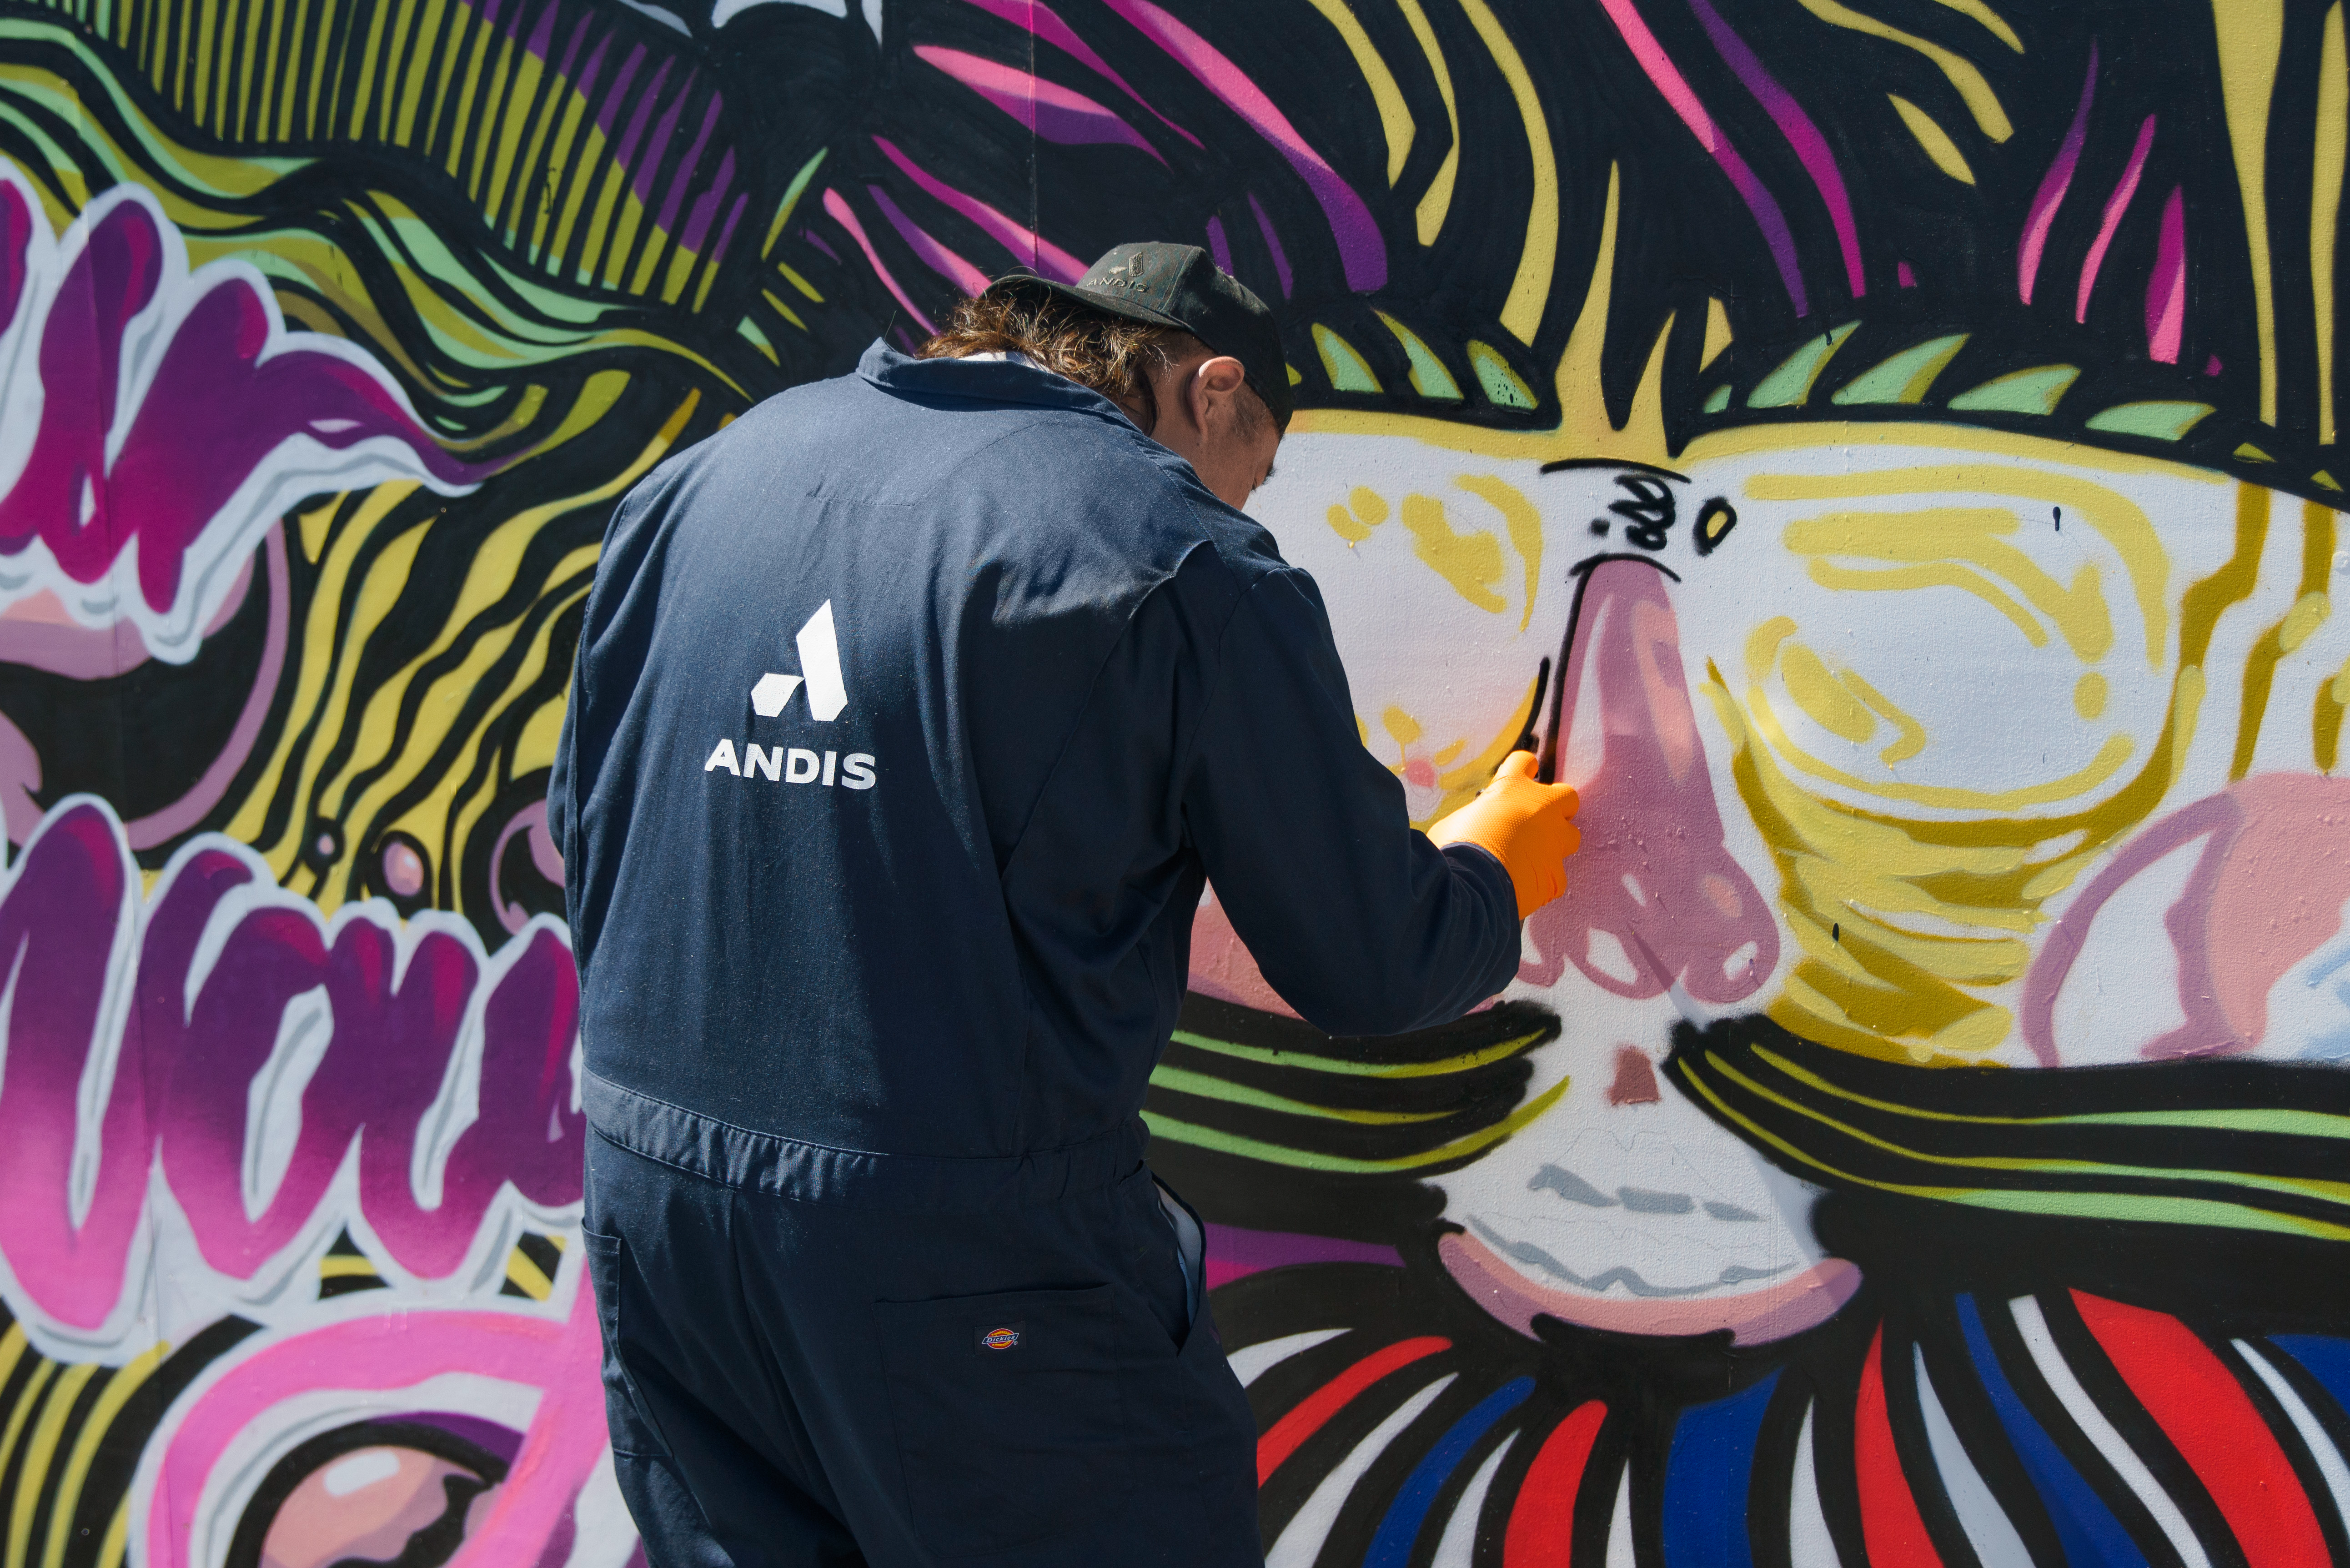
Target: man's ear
x=1217 y=376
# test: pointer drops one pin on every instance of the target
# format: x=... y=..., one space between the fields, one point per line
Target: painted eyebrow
x=1623 y=465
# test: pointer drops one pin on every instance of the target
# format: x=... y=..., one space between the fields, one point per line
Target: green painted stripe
x=2039 y=1162
x=56 y=156
x=1906 y=377
x=1304 y=1159
x=1347 y=370
x=2157 y=420
x=1209 y=1088
x=1810 y=1079
x=2151 y=1209
x=1790 y=386
x=1429 y=379
x=1760 y=1134
x=2084 y=1204
x=757 y=339
x=2256 y=1118
x=2034 y=391
x=791 y=198
x=150 y=143
x=1358 y=1069
x=1970 y=1162
x=1198 y=1137
x=1503 y=387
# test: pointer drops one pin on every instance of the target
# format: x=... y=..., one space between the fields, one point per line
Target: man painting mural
x=878 y=953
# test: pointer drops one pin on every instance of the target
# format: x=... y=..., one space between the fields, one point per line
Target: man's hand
x=1525 y=824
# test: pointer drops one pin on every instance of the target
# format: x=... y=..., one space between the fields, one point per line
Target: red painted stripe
x=1889 y=1523
x=1542 y=1521
x=2205 y=1412
x=1313 y=1412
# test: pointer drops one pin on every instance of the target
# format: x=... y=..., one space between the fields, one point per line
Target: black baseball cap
x=1183 y=287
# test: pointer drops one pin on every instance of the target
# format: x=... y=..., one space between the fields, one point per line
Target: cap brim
x=1110 y=303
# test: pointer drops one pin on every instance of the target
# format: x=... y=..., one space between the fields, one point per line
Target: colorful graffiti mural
x=1886 y=453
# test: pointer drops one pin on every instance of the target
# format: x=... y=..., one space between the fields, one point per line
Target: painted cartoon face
x=411 y=1492
x=400 y=1453
x=1770 y=668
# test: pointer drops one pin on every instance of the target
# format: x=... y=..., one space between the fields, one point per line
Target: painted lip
x=1755 y=1312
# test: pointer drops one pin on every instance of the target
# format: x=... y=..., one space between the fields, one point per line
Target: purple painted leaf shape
x=1040 y=22
x=938 y=257
x=229 y=419
x=1053 y=111
x=1361 y=248
x=217 y=410
x=1029 y=248
x=61 y=495
x=16 y=251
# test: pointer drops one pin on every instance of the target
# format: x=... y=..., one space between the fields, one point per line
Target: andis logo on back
x=828 y=694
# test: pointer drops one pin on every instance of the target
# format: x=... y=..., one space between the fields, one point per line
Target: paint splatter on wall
x=1887 y=454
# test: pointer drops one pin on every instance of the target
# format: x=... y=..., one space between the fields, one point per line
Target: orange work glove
x=1523 y=824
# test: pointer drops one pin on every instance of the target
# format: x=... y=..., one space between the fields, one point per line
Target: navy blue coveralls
x=913 y=712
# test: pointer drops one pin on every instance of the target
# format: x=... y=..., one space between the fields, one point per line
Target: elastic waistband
x=817 y=1173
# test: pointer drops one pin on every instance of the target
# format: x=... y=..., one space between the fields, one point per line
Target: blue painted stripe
x=1707 y=1476
x=2328 y=1361
x=1392 y=1547
x=2085 y=1525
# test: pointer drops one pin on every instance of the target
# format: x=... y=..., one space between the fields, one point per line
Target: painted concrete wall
x=1888 y=452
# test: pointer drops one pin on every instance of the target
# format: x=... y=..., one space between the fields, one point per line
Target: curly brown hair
x=1115 y=355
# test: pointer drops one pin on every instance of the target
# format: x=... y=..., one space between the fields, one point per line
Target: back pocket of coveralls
x=624 y=1412
x=1009 y=1413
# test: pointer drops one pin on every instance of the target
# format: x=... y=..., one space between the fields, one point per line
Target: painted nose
x=1653 y=898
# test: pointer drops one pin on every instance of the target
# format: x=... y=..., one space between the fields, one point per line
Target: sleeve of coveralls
x=1354 y=916
x=559 y=813
x=611 y=649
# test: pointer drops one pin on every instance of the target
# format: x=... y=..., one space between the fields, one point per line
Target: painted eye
x=525 y=872
x=406 y=1492
x=404 y=870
